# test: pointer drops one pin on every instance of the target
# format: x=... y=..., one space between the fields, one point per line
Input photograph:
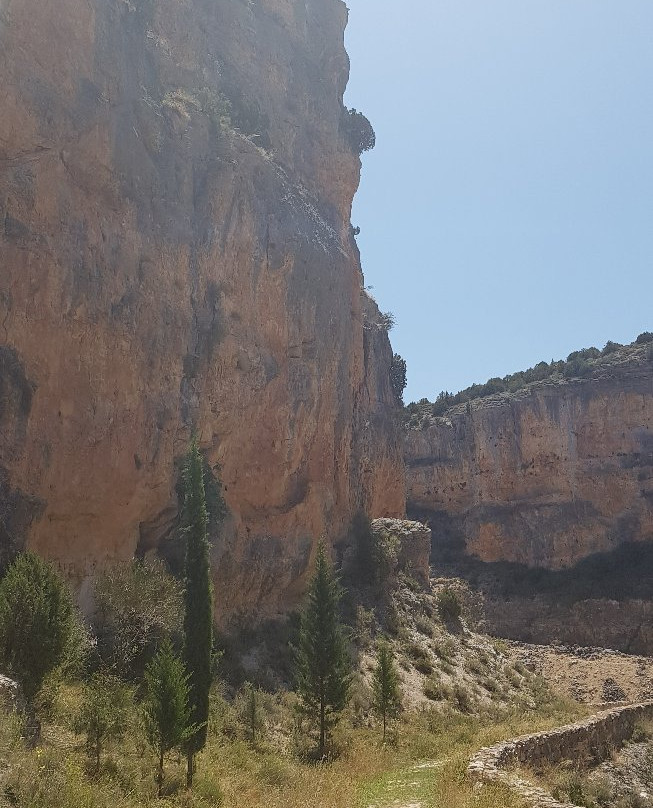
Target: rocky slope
x=552 y=478
x=176 y=250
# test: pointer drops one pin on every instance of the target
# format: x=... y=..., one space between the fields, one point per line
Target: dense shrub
x=138 y=605
x=37 y=621
x=358 y=131
x=610 y=348
x=644 y=337
x=449 y=606
x=398 y=377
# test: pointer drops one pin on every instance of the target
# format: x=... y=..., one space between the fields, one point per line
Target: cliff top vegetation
x=582 y=364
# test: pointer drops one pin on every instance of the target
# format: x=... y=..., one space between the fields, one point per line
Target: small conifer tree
x=166 y=708
x=323 y=666
x=385 y=685
x=103 y=715
x=251 y=712
x=198 y=618
x=37 y=622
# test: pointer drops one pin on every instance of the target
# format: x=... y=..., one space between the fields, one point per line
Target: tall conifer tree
x=198 y=618
x=323 y=666
x=385 y=685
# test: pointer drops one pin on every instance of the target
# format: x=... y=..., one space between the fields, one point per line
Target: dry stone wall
x=594 y=738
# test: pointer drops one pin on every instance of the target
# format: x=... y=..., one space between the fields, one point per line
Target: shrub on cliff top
x=644 y=337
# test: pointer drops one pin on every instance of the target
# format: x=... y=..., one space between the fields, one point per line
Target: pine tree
x=167 y=709
x=323 y=666
x=198 y=618
x=385 y=685
x=37 y=622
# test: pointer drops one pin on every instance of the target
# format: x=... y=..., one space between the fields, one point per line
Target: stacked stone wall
x=593 y=739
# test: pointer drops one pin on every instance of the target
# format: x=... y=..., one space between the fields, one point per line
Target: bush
x=398 y=377
x=434 y=690
x=448 y=605
x=138 y=606
x=462 y=698
x=644 y=337
x=358 y=131
x=37 y=621
x=610 y=348
x=103 y=714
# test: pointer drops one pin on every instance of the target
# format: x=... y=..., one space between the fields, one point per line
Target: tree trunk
x=160 y=775
x=384 y=722
x=190 y=768
x=322 y=730
x=97 y=756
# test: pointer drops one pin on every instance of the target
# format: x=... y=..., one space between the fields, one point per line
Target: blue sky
x=506 y=213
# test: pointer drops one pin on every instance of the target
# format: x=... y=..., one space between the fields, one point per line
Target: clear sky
x=506 y=213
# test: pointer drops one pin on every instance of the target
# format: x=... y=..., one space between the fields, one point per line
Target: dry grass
x=232 y=774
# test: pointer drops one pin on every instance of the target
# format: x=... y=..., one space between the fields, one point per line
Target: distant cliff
x=176 y=181
x=545 y=479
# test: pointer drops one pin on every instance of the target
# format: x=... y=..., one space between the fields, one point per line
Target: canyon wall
x=176 y=254
x=549 y=489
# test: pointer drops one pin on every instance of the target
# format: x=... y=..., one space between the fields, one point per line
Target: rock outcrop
x=176 y=254
x=413 y=542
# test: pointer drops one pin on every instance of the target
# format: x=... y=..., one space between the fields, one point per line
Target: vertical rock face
x=545 y=477
x=176 y=254
x=544 y=498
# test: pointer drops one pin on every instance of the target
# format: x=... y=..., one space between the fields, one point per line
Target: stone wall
x=594 y=738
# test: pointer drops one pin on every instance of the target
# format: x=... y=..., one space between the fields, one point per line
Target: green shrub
x=644 y=337
x=398 y=378
x=138 y=606
x=448 y=604
x=435 y=690
x=424 y=626
x=358 y=131
x=610 y=348
x=37 y=621
x=462 y=698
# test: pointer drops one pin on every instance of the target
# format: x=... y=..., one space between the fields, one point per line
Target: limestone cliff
x=176 y=253
x=550 y=478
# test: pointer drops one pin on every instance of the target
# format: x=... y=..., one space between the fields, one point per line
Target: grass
x=233 y=774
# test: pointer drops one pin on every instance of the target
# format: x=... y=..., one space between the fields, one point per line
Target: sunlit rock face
x=544 y=477
x=176 y=254
x=544 y=499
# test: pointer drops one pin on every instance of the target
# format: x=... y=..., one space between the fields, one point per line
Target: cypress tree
x=198 y=618
x=385 y=685
x=323 y=666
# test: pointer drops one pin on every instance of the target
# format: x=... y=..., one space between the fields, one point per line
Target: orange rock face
x=176 y=254
x=545 y=477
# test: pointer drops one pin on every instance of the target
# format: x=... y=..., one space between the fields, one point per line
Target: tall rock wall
x=544 y=477
x=544 y=499
x=176 y=254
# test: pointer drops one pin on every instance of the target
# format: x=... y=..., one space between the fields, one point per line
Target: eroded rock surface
x=544 y=498
x=176 y=253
